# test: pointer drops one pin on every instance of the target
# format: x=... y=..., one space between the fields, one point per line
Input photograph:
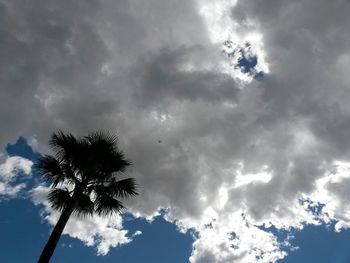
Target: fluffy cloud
x=210 y=143
x=11 y=168
x=102 y=232
x=331 y=196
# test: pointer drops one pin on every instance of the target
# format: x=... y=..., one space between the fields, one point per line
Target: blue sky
x=321 y=244
x=235 y=116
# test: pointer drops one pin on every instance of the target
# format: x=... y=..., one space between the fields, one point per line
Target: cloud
x=208 y=142
x=235 y=240
x=103 y=233
x=12 y=168
x=331 y=196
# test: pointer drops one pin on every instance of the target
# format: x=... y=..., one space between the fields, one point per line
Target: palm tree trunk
x=50 y=246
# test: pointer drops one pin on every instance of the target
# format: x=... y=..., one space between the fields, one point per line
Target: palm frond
x=123 y=188
x=62 y=143
x=84 y=206
x=49 y=167
x=69 y=148
x=69 y=174
x=109 y=166
x=119 y=162
x=119 y=189
x=102 y=139
x=54 y=171
x=104 y=156
x=59 y=198
x=106 y=205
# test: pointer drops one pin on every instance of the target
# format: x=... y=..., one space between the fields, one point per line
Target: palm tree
x=85 y=179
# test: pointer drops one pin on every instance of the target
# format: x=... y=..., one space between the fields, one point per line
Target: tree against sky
x=85 y=177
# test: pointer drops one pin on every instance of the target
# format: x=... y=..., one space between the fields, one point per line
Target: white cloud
x=11 y=169
x=137 y=233
x=235 y=240
x=332 y=195
x=102 y=232
x=243 y=179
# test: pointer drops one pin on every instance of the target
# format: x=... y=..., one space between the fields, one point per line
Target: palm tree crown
x=85 y=179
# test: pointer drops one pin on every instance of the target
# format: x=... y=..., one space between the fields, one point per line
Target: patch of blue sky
x=243 y=59
x=312 y=207
x=247 y=63
x=319 y=244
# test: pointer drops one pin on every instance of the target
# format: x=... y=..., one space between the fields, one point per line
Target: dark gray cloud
x=160 y=79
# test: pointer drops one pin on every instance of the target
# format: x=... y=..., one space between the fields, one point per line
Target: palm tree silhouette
x=85 y=179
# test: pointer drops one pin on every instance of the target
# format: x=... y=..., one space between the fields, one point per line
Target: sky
x=235 y=115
